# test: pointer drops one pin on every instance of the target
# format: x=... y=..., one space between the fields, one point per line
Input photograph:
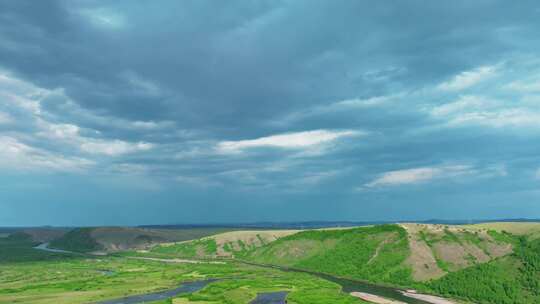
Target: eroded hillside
x=399 y=254
x=438 y=249
x=375 y=253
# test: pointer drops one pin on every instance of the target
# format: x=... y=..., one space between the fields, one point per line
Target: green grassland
x=44 y=277
x=89 y=280
x=80 y=279
x=302 y=288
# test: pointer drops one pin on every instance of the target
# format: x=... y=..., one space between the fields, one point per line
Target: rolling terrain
x=386 y=253
x=113 y=239
x=484 y=263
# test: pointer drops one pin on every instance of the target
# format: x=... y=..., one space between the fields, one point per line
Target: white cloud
x=298 y=140
x=417 y=175
x=58 y=131
x=26 y=98
x=480 y=110
x=464 y=103
x=468 y=78
x=113 y=148
x=532 y=86
x=20 y=94
x=17 y=155
x=70 y=134
x=363 y=102
x=516 y=117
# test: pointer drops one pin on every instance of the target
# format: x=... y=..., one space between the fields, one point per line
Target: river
x=45 y=247
x=188 y=287
x=349 y=286
x=277 y=297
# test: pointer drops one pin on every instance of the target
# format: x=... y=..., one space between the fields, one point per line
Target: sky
x=174 y=112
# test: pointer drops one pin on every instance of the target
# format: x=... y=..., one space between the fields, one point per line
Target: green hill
x=79 y=240
x=18 y=247
x=374 y=253
x=399 y=254
x=512 y=279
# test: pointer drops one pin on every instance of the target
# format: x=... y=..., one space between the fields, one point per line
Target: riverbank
x=45 y=247
x=374 y=298
x=428 y=298
x=178 y=260
x=185 y=288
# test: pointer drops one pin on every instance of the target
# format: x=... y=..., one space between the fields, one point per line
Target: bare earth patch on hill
x=438 y=249
x=421 y=260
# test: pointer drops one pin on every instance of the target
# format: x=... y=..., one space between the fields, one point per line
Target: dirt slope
x=438 y=249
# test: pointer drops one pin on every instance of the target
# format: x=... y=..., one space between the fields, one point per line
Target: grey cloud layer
x=347 y=98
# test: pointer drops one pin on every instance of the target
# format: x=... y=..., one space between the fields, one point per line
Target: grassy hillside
x=513 y=279
x=79 y=240
x=228 y=244
x=399 y=254
x=17 y=247
x=44 y=234
x=373 y=253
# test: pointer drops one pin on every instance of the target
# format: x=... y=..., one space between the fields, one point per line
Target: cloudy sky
x=143 y=112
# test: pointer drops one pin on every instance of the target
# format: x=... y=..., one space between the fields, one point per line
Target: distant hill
x=300 y=225
x=227 y=244
x=111 y=239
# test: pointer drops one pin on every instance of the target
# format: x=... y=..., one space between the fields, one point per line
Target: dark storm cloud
x=355 y=99
x=241 y=62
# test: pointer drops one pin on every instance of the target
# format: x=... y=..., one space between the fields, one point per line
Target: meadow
x=28 y=275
